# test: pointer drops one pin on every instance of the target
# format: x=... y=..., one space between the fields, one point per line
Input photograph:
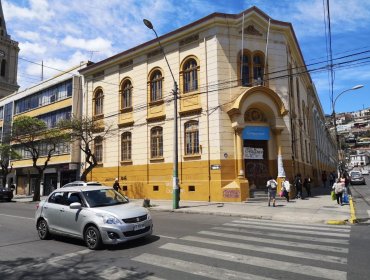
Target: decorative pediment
x=251 y=30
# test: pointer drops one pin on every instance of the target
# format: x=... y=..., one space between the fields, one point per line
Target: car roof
x=81 y=183
x=83 y=188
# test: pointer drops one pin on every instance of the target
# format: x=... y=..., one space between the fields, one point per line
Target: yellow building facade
x=247 y=110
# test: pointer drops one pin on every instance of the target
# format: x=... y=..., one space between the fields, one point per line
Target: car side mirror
x=75 y=205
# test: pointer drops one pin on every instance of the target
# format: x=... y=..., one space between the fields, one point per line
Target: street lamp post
x=334 y=116
x=175 y=176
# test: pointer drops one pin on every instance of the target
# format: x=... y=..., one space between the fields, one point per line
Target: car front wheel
x=93 y=238
x=43 y=229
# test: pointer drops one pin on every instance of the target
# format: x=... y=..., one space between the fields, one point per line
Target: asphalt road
x=188 y=246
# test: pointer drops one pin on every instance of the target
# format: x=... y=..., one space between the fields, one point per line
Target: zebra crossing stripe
x=117 y=273
x=286 y=235
x=334 y=234
x=196 y=268
x=302 y=269
x=270 y=250
x=279 y=242
x=305 y=224
x=273 y=224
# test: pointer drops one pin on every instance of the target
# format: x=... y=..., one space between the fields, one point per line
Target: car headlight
x=148 y=216
x=110 y=220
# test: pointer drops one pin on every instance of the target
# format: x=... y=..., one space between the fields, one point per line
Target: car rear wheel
x=43 y=229
x=93 y=238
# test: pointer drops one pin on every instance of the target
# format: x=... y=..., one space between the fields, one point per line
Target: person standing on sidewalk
x=338 y=188
x=298 y=186
x=307 y=185
x=324 y=178
x=285 y=187
x=116 y=185
x=271 y=189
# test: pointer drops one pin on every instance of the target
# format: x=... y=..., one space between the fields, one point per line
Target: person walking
x=338 y=188
x=307 y=185
x=116 y=185
x=298 y=186
x=285 y=187
x=331 y=179
x=271 y=190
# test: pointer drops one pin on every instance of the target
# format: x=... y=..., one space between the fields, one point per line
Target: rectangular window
x=98 y=150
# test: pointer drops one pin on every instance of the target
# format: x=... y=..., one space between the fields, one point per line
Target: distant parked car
x=364 y=172
x=6 y=194
x=96 y=214
x=357 y=178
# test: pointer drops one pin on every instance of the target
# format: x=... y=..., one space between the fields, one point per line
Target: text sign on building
x=256 y=133
x=253 y=153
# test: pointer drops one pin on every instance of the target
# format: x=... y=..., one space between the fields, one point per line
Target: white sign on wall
x=253 y=153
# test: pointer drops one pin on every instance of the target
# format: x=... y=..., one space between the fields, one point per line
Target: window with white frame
x=126 y=146
x=191 y=138
x=156 y=81
x=156 y=140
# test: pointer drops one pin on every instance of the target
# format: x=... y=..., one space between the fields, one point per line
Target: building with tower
x=8 y=60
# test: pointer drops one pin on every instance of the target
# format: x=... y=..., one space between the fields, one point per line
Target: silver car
x=97 y=214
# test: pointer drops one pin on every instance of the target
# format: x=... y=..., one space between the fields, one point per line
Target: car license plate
x=139 y=226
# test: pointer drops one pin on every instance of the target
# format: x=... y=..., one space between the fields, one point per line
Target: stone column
x=239 y=153
x=281 y=172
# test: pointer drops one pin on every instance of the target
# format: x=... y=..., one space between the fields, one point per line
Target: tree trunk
x=36 y=194
x=86 y=172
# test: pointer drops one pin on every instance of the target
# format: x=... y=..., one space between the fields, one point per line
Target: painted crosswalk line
x=271 y=228
x=117 y=273
x=297 y=268
x=295 y=226
x=280 y=241
x=198 y=269
x=269 y=250
x=323 y=226
x=285 y=235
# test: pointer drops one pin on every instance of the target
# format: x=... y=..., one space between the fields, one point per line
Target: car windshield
x=104 y=197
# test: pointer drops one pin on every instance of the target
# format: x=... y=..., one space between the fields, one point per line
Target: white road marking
x=274 y=225
x=299 y=224
x=196 y=268
x=116 y=273
x=286 y=235
x=270 y=250
x=278 y=242
x=284 y=266
x=292 y=230
x=12 y=216
x=165 y=236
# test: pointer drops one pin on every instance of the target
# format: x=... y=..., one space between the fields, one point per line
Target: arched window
x=98 y=148
x=98 y=102
x=156 y=81
x=244 y=69
x=3 y=68
x=257 y=69
x=156 y=140
x=191 y=138
x=190 y=75
x=126 y=146
x=126 y=94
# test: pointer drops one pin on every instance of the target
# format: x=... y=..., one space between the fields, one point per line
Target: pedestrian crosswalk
x=254 y=249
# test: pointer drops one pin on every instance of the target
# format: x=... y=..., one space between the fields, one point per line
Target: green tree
x=32 y=136
x=85 y=131
x=6 y=154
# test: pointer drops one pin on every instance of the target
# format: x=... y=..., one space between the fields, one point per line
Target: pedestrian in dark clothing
x=116 y=186
x=307 y=185
x=331 y=179
x=298 y=186
x=324 y=178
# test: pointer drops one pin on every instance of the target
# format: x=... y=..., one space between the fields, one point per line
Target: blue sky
x=61 y=33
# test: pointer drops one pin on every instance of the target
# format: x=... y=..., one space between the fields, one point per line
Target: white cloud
x=29 y=49
x=28 y=35
x=38 y=10
x=97 y=44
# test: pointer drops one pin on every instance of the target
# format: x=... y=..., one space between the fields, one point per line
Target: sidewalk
x=317 y=209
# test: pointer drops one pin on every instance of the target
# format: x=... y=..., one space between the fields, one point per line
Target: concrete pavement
x=317 y=209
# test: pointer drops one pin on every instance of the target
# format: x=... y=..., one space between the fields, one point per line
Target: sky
x=62 y=33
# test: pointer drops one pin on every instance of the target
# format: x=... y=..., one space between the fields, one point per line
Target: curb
x=336 y=222
x=353 y=219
